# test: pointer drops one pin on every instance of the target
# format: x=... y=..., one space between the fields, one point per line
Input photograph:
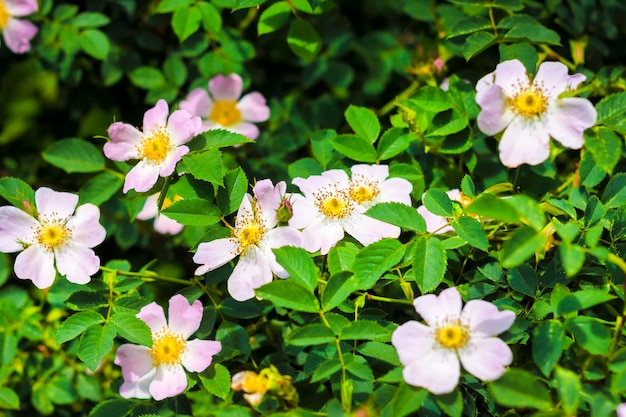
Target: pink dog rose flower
x=17 y=33
x=223 y=109
x=530 y=112
x=159 y=147
x=60 y=235
x=158 y=372
x=453 y=335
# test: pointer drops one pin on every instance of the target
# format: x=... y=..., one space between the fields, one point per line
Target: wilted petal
x=37 y=264
x=211 y=255
x=199 y=354
x=486 y=358
x=184 y=318
x=169 y=381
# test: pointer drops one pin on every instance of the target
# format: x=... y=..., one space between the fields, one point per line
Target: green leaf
x=74 y=155
x=230 y=197
x=326 y=369
x=590 y=333
x=534 y=34
x=524 y=242
x=216 y=380
x=175 y=70
x=235 y=341
x=374 y=260
x=405 y=401
x=380 y=351
x=76 y=324
x=84 y=300
x=524 y=52
x=523 y=279
x=476 y=43
x=273 y=18
x=246 y=4
x=147 y=78
x=193 y=212
x=572 y=257
x=186 y=21
x=393 y=142
x=471 y=231
x=310 y=335
x=547 y=346
x=168 y=6
x=581 y=300
x=569 y=387
x=399 y=215
x=432 y=99
x=111 y=408
x=489 y=206
x=364 y=122
x=612 y=111
x=365 y=330
x=517 y=388
x=211 y=17
x=605 y=146
x=95 y=43
x=469 y=25
x=205 y=166
x=133 y=329
x=615 y=192
x=17 y=192
x=289 y=294
x=298 y=263
x=220 y=138
x=94 y=344
x=354 y=147
x=9 y=399
x=304 y=40
x=467 y=186
x=528 y=211
x=100 y=188
x=429 y=263
x=90 y=19
x=438 y=202
x=338 y=289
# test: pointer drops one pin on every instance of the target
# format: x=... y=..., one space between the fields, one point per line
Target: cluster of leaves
x=547 y=242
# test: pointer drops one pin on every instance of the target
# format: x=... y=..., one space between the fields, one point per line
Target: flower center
x=530 y=102
x=53 y=233
x=167 y=347
x=452 y=335
x=225 y=112
x=362 y=190
x=249 y=231
x=155 y=146
x=334 y=204
x=4 y=15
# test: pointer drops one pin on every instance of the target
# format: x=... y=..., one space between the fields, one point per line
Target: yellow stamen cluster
x=452 y=335
x=4 y=15
x=361 y=190
x=52 y=232
x=167 y=347
x=155 y=146
x=249 y=231
x=333 y=203
x=529 y=102
x=225 y=113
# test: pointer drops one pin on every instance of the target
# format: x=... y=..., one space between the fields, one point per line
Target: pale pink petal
x=524 y=142
x=511 y=76
x=135 y=361
x=21 y=7
x=568 y=120
x=395 y=190
x=337 y=177
x=211 y=255
x=621 y=410
x=368 y=230
x=86 y=228
x=485 y=319
x=495 y=112
x=553 y=78
x=169 y=381
x=434 y=224
x=487 y=358
x=253 y=107
x=197 y=103
x=154 y=316
x=376 y=172
x=142 y=177
x=182 y=126
x=168 y=165
x=140 y=388
x=322 y=236
x=183 y=317
x=15 y=226
x=269 y=198
x=54 y=203
x=438 y=370
x=198 y=354
x=165 y=225
x=77 y=263
x=150 y=208
x=124 y=142
x=249 y=130
x=156 y=117
x=434 y=308
x=304 y=212
x=226 y=87
x=412 y=340
x=36 y=264
x=18 y=33
x=276 y=238
x=251 y=272
x=244 y=212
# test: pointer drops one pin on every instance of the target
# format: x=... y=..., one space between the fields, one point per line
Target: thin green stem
x=163 y=192
x=147 y=275
x=404 y=94
x=344 y=401
x=206 y=291
x=619 y=320
x=384 y=299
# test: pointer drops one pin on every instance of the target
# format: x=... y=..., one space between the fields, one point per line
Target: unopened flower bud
x=284 y=212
